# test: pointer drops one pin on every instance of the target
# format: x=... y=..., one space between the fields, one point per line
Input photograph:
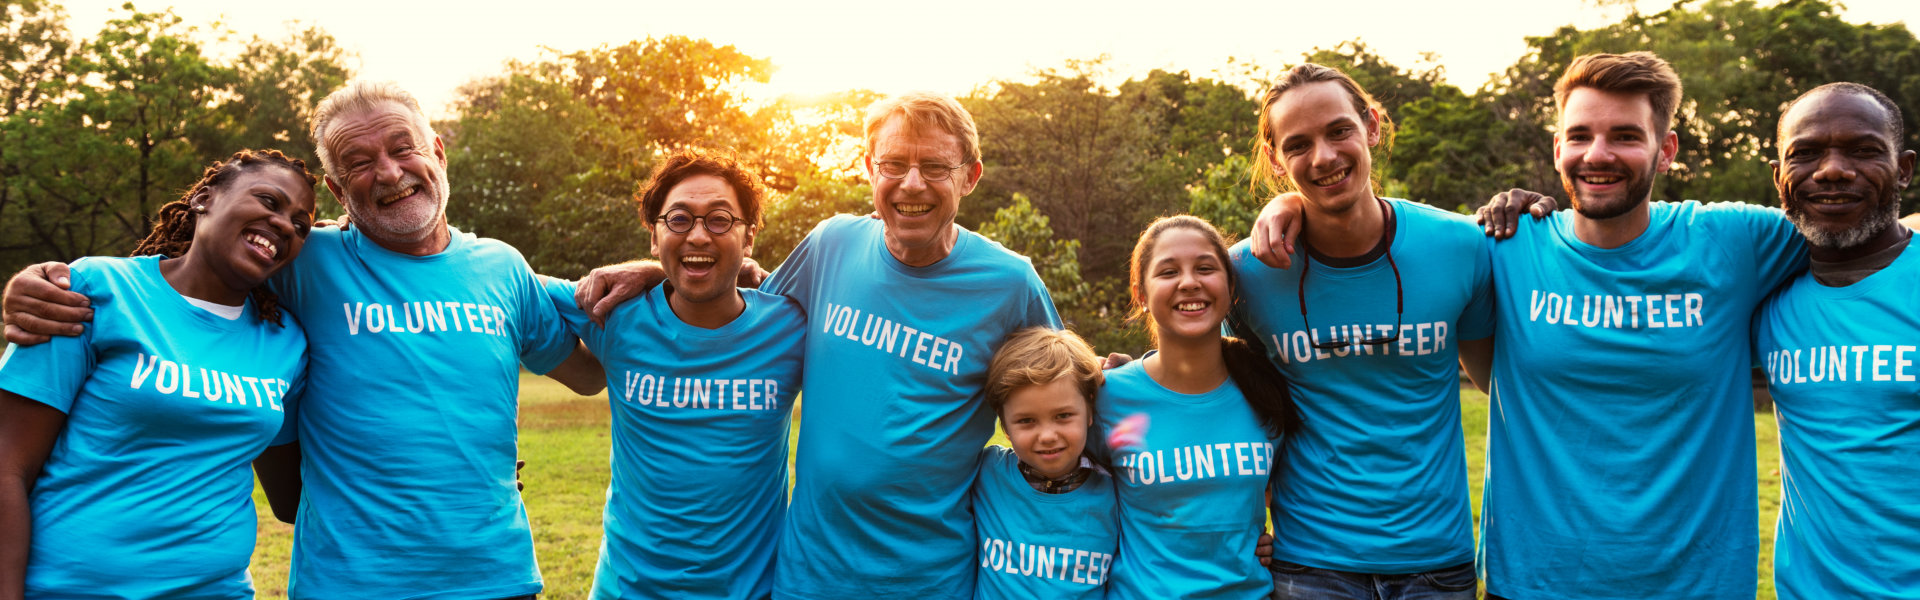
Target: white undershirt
x=219 y=310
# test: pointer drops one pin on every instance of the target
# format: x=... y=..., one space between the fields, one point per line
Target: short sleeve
x=560 y=293
x=1039 y=310
x=1779 y=251
x=1476 y=319
x=545 y=340
x=794 y=278
x=290 y=407
x=53 y=373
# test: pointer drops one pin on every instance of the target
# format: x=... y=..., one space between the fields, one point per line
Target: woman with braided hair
x=124 y=451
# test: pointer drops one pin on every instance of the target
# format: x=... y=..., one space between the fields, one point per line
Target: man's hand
x=343 y=222
x=1114 y=361
x=751 y=275
x=605 y=288
x=1501 y=214
x=1276 y=228
x=39 y=304
x=1264 y=549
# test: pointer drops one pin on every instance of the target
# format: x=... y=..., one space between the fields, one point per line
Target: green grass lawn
x=563 y=438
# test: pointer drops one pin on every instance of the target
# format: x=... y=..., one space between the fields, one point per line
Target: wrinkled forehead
x=901 y=138
x=1836 y=115
x=376 y=124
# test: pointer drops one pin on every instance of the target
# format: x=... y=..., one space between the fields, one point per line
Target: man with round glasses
x=701 y=378
x=1369 y=327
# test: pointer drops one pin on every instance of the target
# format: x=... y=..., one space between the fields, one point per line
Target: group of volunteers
x=369 y=375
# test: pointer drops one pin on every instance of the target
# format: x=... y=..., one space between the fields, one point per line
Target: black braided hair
x=172 y=233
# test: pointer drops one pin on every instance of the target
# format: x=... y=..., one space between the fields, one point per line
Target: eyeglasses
x=893 y=169
x=718 y=221
x=1399 y=310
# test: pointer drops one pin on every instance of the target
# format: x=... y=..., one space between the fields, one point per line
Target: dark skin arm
x=1501 y=214
x=1476 y=356
x=40 y=304
x=27 y=432
x=580 y=372
x=279 y=471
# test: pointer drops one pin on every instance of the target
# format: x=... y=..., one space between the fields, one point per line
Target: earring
x=200 y=208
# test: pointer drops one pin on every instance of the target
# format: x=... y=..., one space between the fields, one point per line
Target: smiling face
x=1839 y=173
x=1608 y=151
x=253 y=225
x=1322 y=144
x=919 y=213
x=1185 y=286
x=392 y=174
x=702 y=266
x=1047 y=425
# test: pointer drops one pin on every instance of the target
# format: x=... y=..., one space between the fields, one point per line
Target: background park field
x=563 y=438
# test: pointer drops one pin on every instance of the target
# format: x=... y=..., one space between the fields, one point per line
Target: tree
x=1085 y=308
x=277 y=85
x=790 y=216
x=1226 y=198
x=34 y=46
x=115 y=137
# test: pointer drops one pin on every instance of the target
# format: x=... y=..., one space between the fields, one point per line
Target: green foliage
x=548 y=156
x=1090 y=310
x=1102 y=162
x=1226 y=199
x=98 y=134
x=791 y=216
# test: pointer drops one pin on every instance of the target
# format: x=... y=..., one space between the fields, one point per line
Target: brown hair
x=1040 y=356
x=172 y=233
x=924 y=109
x=1264 y=387
x=1631 y=73
x=683 y=164
x=1264 y=147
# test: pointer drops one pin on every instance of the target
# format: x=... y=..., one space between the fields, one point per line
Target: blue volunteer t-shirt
x=699 y=490
x=147 y=492
x=408 y=432
x=1843 y=364
x=1375 y=480
x=894 y=419
x=1039 y=545
x=1193 y=496
x=1620 y=444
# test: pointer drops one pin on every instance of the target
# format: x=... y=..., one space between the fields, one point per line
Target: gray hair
x=360 y=95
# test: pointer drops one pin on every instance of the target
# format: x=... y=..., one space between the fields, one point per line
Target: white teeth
x=1190 y=306
x=912 y=209
x=1334 y=178
x=1599 y=180
x=697 y=259
x=261 y=241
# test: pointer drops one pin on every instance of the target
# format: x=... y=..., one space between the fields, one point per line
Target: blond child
x=1047 y=517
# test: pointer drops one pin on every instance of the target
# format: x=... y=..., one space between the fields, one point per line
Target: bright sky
x=432 y=46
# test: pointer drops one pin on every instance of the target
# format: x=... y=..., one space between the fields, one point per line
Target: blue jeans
x=1300 y=582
